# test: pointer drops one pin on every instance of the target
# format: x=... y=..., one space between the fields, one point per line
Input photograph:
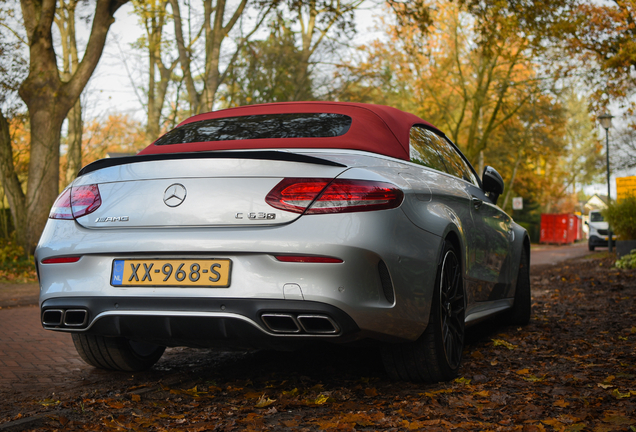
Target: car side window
x=424 y=149
x=456 y=165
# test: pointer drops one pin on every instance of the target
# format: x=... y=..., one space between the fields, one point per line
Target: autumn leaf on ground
x=561 y=403
x=618 y=395
x=291 y=393
x=554 y=423
x=523 y=372
x=462 y=380
x=371 y=392
x=361 y=419
x=320 y=400
x=616 y=418
x=264 y=401
x=436 y=392
x=604 y=386
x=533 y=378
x=115 y=404
x=503 y=343
x=477 y=355
x=49 y=402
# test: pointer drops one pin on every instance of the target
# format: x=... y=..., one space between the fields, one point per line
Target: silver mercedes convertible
x=278 y=225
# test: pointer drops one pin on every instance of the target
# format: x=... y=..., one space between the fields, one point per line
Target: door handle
x=477 y=202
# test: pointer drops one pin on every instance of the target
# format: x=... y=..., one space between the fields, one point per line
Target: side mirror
x=587 y=223
x=492 y=183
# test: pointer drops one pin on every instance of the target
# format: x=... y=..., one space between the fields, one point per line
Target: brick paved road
x=29 y=354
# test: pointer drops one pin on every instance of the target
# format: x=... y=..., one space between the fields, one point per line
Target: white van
x=598 y=234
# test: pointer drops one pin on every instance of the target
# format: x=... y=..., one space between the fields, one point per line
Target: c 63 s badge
x=255 y=215
x=112 y=219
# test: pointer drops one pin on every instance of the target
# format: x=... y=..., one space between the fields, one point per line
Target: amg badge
x=112 y=219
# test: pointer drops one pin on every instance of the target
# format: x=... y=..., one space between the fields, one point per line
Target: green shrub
x=622 y=218
x=627 y=261
x=14 y=266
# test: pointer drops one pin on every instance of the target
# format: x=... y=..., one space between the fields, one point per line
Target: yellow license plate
x=174 y=272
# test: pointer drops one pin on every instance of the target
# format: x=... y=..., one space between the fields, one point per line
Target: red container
x=559 y=228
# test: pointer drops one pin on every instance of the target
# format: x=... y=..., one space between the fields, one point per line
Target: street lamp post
x=606 y=123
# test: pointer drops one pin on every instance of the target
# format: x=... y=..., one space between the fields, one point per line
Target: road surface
x=551 y=254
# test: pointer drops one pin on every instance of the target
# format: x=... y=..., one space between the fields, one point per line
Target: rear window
x=312 y=125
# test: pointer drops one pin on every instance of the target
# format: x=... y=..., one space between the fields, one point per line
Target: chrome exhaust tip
x=318 y=324
x=75 y=317
x=281 y=323
x=52 y=317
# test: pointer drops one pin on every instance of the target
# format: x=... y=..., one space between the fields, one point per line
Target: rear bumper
x=238 y=323
x=390 y=308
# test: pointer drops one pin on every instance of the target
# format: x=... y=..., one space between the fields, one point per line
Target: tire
x=590 y=247
x=436 y=355
x=521 y=309
x=116 y=353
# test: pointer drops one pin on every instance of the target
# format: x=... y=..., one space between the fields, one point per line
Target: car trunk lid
x=226 y=191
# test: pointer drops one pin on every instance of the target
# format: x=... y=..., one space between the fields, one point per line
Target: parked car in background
x=279 y=225
x=598 y=231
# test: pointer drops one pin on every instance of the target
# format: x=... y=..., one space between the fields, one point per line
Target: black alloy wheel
x=452 y=309
x=437 y=354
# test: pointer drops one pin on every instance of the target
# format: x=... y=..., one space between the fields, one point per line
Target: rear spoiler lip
x=262 y=155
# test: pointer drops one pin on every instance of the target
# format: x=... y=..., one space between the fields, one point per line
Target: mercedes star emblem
x=174 y=195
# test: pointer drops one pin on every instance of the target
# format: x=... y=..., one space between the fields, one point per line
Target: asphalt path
x=553 y=254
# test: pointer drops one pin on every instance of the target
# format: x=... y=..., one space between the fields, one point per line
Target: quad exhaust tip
x=284 y=323
x=64 y=318
x=318 y=324
x=52 y=317
x=281 y=323
x=75 y=317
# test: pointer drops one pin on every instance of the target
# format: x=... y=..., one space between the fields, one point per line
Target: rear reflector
x=61 y=260
x=76 y=202
x=307 y=259
x=316 y=196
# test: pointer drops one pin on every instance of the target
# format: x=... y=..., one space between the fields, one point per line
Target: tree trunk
x=49 y=100
x=74 y=151
x=44 y=164
x=10 y=182
x=65 y=21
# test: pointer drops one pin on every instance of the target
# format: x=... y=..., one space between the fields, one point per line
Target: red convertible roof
x=374 y=128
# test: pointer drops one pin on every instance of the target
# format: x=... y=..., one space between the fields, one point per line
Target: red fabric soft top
x=374 y=128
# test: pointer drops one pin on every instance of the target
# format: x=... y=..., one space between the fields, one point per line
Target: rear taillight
x=76 y=202
x=62 y=207
x=316 y=196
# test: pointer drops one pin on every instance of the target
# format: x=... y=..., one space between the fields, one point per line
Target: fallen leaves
x=264 y=401
x=569 y=370
x=503 y=343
